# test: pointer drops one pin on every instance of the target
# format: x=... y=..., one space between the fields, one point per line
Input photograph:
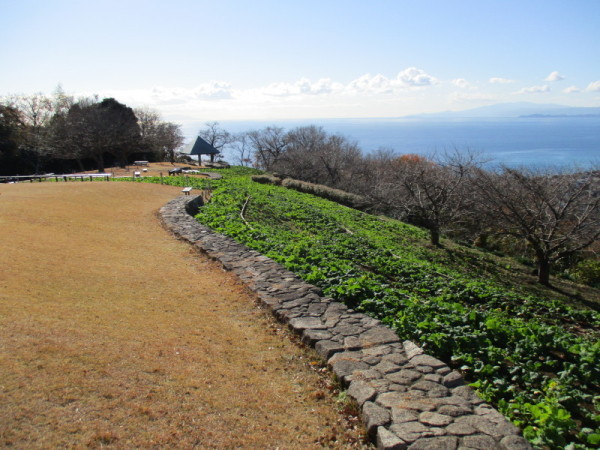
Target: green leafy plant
x=535 y=358
x=587 y=272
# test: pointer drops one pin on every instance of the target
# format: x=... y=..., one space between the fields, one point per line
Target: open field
x=114 y=333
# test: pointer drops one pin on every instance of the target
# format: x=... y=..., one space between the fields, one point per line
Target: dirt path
x=114 y=333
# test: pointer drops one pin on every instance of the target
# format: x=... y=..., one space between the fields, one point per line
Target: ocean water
x=555 y=141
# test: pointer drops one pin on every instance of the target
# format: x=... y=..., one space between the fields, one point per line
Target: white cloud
x=535 y=90
x=301 y=87
x=462 y=83
x=593 y=86
x=412 y=90
x=278 y=89
x=214 y=90
x=554 y=76
x=409 y=79
x=325 y=86
x=370 y=84
x=413 y=77
x=498 y=80
x=304 y=93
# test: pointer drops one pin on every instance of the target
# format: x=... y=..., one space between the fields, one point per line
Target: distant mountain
x=514 y=110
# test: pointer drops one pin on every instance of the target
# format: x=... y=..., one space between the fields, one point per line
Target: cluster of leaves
x=587 y=272
x=536 y=359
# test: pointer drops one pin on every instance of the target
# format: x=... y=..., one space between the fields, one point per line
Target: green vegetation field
x=532 y=355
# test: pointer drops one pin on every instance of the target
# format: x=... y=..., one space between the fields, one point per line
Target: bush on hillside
x=335 y=195
x=587 y=272
x=266 y=179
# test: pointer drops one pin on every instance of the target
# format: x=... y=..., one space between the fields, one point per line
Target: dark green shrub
x=587 y=272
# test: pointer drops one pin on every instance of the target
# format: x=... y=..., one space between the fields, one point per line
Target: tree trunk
x=434 y=236
x=544 y=271
x=100 y=162
x=38 y=162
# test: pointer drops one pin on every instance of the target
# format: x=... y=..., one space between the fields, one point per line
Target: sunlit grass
x=114 y=333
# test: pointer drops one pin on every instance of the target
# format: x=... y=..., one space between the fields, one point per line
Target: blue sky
x=265 y=60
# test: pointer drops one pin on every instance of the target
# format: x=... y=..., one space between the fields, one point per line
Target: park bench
x=186 y=190
x=140 y=163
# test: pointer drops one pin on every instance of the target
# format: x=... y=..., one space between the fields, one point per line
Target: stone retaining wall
x=408 y=399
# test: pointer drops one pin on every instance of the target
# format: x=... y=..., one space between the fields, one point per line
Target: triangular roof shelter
x=200 y=147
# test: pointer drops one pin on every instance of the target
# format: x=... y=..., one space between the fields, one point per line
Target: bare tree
x=10 y=138
x=56 y=135
x=61 y=101
x=36 y=112
x=268 y=145
x=432 y=193
x=158 y=137
x=315 y=156
x=215 y=136
x=242 y=148
x=148 y=121
x=368 y=180
x=341 y=160
x=300 y=156
x=556 y=213
x=170 y=138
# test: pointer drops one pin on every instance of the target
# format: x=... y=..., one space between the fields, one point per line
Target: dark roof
x=200 y=147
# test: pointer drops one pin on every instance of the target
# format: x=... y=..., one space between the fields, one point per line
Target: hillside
x=531 y=352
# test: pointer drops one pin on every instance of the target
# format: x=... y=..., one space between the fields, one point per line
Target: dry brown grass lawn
x=114 y=333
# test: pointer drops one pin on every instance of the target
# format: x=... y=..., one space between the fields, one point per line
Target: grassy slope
x=527 y=350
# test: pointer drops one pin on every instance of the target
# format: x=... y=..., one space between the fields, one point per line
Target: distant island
x=514 y=110
x=560 y=116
